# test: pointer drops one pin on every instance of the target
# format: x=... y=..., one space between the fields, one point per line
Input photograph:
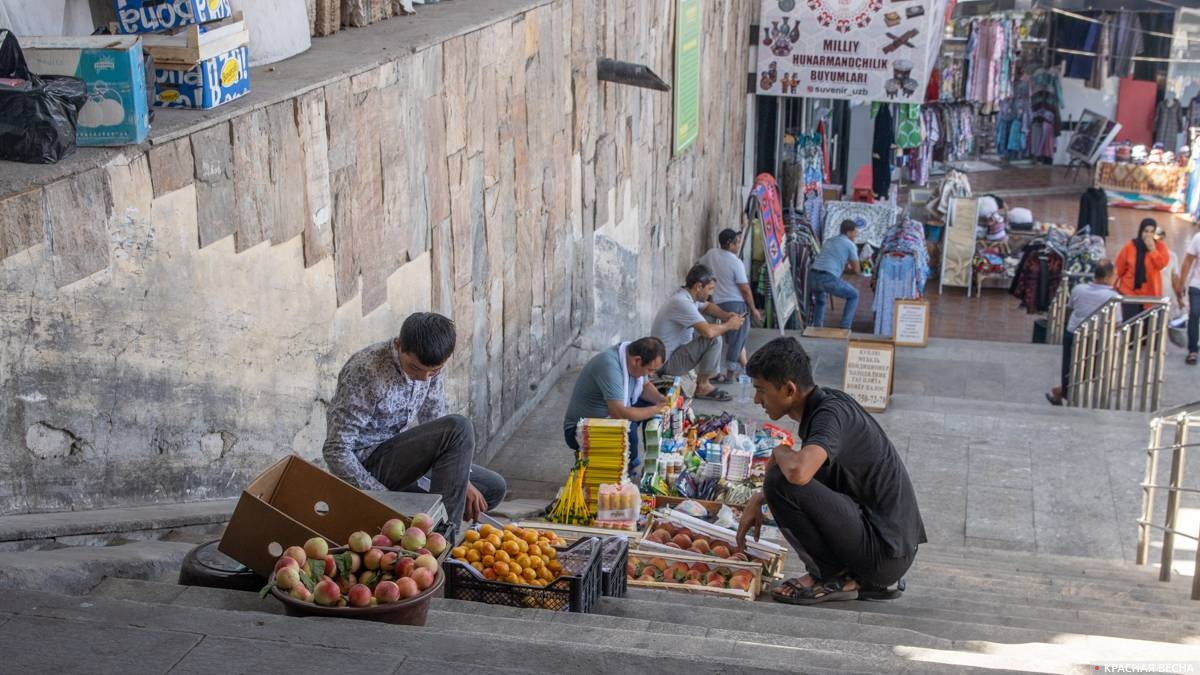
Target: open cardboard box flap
x=291 y=502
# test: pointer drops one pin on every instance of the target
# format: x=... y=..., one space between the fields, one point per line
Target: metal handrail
x=1056 y=318
x=1119 y=365
x=1183 y=418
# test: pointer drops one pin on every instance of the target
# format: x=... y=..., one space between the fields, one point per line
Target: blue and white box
x=151 y=16
x=117 y=111
x=210 y=83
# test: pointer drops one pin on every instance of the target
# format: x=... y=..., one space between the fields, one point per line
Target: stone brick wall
x=175 y=319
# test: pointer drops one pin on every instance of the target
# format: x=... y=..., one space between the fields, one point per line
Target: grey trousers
x=703 y=354
x=443 y=449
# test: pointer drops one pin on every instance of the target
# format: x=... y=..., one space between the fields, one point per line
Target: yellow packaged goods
x=604 y=445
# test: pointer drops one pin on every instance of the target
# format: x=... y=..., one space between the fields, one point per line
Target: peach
x=408 y=588
x=436 y=543
x=741 y=583
x=650 y=574
x=347 y=582
x=720 y=550
x=682 y=540
x=414 y=538
x=631 y=569
x=659 y=563
x=388 y=562
x=404 y=566
x=724 y=571
x=714 y=576
x=342 y=603
x=316 y=547
x=700 y=546
x=387 y=591
x=673 y=545
x=661 y=535
x=327 y=593
x=330 y=566
x=359 y=595
x=355 y=562
x=740 y=556
x=394 y=530
x=426 y=561
x=423 y=577
x=677 y=574
x=372 y=558
x=716 y=583
x=700 y=567
x=286 y=562
x=301 y=593
x=692 y=582
x=423 y=522
x=360 y=542
x=694 y=575
x=288 y=578
x=381 y=540
x=296 y=553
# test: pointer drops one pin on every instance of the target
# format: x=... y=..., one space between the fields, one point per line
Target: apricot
x=720 y=550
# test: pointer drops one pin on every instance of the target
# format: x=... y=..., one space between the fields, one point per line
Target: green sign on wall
x=688 y=23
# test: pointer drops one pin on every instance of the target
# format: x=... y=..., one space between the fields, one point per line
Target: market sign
x=764 y=208
x=688 y=22
x=849 y=49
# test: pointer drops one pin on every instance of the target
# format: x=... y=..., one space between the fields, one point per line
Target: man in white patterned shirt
x=388 y=428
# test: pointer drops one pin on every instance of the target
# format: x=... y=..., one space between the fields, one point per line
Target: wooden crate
x=771 y=555
x=756 y=584
x=184 y=48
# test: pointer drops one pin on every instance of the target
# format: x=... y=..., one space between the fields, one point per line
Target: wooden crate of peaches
x=511 y=554
x=666 y=533
x=695 y=573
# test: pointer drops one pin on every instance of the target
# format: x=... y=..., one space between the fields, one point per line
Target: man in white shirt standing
x=691 y=341
x=1085 y=299
x=1189 y=281
x=732 y=294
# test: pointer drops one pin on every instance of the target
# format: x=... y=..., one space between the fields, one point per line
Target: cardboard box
x=290 y=503
x=183 y=48
x=117 y=111
x=151 y=16
x=210 y=83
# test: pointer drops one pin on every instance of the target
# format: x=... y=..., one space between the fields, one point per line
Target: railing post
x=1161 y=356
x=1109 y=362
x=1074 y=380
x=1143 y=548
x=1123 y=395
x=1177 y=458
x=1138 y=381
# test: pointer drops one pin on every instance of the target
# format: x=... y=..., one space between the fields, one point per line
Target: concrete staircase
x=966 y=608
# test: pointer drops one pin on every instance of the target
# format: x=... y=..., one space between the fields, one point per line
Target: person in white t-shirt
x=732 y=295
x=1085 y=300
x=1189 y=282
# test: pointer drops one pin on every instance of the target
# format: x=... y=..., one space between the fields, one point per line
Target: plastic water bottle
x=744 y=389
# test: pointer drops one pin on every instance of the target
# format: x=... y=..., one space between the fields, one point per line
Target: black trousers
x=830 y=532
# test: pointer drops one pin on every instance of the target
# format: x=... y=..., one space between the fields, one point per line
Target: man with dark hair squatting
x=388 y=428
x=843 y=499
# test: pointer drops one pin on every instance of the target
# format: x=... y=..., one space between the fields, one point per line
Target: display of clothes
x=873 y=220
x=810 y=154
x=1099 y=46
x=1039 y=272
x=991 y=54
x=1093 y=212
x=1168 y=123
x=1126 y=43
x=955 y=184
x=1193 y=112
x=1013 y=121
x=803 y=247
x=1045 y=108
x=902 y=270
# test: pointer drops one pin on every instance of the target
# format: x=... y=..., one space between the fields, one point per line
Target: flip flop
x=828 y=591
x=869 y=592
x=1191 y=359
x=715 y=395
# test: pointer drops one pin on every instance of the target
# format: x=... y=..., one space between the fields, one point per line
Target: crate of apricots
x=524 y=567
x=695 y=573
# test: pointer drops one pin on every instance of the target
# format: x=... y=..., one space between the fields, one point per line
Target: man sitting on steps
x=691 y=341
x=843 y=499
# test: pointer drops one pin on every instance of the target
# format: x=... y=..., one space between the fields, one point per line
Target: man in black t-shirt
x=842 y=499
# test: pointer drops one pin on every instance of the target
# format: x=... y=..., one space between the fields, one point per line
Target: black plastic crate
x=614 y=555
x=578 y=591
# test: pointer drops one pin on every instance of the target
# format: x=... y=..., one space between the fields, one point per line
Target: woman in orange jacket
x=1139 y=267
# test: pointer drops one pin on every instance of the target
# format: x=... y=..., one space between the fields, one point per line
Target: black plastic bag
x=37 y=125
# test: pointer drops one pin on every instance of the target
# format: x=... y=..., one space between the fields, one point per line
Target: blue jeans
x=634 y=429
x=735 y=341
x=824 y=283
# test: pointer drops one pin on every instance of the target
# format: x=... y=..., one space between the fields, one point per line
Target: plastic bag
x=37 y=124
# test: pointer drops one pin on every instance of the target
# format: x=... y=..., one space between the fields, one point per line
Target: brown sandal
x=827 y=591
